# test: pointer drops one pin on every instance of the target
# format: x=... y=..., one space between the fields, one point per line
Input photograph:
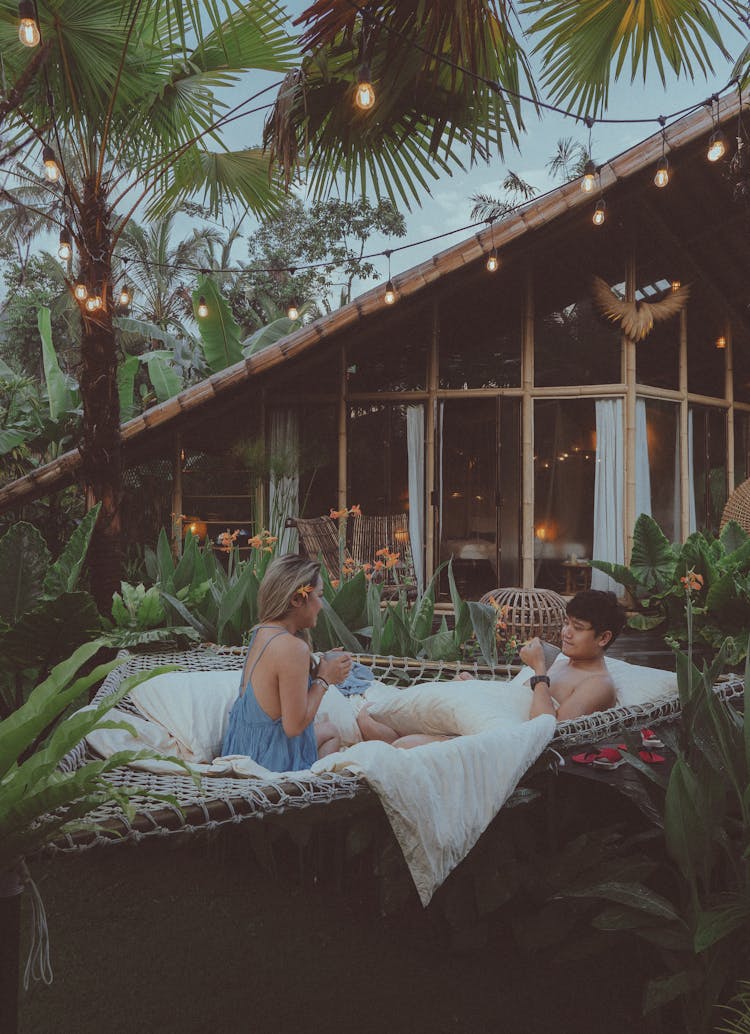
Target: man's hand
x=533 y=655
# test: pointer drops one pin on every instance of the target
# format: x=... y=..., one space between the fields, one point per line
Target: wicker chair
x=369 y=534
x=531 y=612
x=738 y=507
x=318 y=538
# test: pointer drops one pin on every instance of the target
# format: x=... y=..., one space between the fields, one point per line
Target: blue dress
x=255 y=734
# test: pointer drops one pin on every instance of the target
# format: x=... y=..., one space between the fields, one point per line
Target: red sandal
x=605 y=757
x=650 y=757
x=650 y=740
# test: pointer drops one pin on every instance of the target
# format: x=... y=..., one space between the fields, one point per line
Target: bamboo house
x=518 y=425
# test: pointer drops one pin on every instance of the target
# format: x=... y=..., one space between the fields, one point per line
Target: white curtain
x=608 y=490
x=415 y=453
x=642 y=467
x=283 y=491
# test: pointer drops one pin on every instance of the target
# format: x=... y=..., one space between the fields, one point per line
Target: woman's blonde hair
x=284 y=576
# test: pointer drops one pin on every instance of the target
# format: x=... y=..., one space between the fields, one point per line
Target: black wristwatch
x=536 y=679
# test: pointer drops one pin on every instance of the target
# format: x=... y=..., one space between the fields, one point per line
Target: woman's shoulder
x=283 y=643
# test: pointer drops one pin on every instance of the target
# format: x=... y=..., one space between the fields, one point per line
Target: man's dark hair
x=600 y=609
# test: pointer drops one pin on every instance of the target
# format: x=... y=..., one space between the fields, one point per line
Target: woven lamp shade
x=531 y=612
x=738 y=507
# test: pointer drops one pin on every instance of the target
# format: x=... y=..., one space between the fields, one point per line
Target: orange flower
x=256 y=542
x=366 y=567
x=378 y=565
x=692 y=582
x=356 y=511
x=335 y=583
x=392 y=559
x=303 y=591
x=383 y=552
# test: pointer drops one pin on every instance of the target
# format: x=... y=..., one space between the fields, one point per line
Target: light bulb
x=81 y=292
x=676 y=285
x=600 y=212
x=51 y=170
x=202 y=307
x=91 y=305
x=721 y=342
x=492 y=261
x=661 y=179
x=65 y=251
x=589 y=177
x=717 y=146
x=390 y=294
x=28 y=30
x=125 y=296
x=98 y=301
x=364 y=96
x=292 y=312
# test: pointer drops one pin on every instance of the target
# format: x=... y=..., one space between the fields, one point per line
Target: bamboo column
x=177 y=496
x=430 y=436
x=729 y=393
x=629 y=375
x=684 y=424
x=527 y=432
x=343 y=406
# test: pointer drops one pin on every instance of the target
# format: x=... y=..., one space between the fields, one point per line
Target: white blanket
x=439 y=798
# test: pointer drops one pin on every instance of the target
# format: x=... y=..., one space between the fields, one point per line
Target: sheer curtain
x=692 y=523
x=283 y=490
x=608 y=491
x=415 y=454
x=642 y=465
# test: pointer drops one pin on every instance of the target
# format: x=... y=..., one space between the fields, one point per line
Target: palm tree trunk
x=102 y=468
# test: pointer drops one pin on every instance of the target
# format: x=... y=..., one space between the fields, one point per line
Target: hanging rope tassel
x=38 y=964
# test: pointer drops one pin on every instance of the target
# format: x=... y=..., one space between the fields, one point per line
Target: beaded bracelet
x=321 y=680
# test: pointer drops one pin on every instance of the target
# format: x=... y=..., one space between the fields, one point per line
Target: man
x=577 y=682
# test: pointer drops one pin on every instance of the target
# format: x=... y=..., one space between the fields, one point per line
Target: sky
x=449 y=206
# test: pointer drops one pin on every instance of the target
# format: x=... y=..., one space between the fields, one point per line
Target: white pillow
x=336 y=708
x=193 y=705
x=451 y=708
x=636 y=685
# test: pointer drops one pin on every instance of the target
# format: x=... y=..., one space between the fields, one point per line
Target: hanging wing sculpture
x=637 y=318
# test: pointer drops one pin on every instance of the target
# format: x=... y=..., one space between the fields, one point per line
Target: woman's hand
x=533 y=655
x=335 y=665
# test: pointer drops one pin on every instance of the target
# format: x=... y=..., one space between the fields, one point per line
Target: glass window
x=480 y=331
x=573 y=342
x=657 y=356
x=564 y=466
x=706 y=363
x=378 y=459
x=741 y=447
x=662 y=436
x=741 y=363
x=391 y=353
x=709 y=465
x=318 y=460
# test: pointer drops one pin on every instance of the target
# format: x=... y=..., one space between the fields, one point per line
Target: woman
x=272 y=721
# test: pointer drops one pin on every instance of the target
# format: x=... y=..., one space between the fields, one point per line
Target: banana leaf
x=63 y=575
x=24 y=561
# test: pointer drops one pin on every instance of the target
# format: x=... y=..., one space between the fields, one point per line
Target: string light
x=364 y=96
x=390 y=292
x=51 y=168
x=65 y=251
x=717 y=146
x=661 y=179
x=600 y=212
x=493 y=262
x=292 y=312
x=721 y=342
x=588 y=182
x=81 y=292
x=126 y=296
x=28 y=28
x=676 y=285
x=202 y=307
x=91 y=303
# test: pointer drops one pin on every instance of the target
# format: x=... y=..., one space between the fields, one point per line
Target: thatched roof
x=139 y=433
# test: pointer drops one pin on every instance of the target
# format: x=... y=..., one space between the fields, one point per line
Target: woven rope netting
x=219 y=800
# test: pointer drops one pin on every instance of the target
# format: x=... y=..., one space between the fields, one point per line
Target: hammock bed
x=218 y=800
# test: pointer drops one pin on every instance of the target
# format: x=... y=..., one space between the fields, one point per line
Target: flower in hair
x=304 y=591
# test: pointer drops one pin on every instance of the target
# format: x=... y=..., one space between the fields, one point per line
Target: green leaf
x=645 y=622
x=219 y=331
x=484 y=623
x=126 y=386
x=652 y=560
x=61 y=398
x=349 y=600
x=732 y=536
x=274 y=331
x=49 y=631
x=165 y=377
x=24 y=561
x=635 y=895
x=718 y=923
x=462 y=628
x=64 y=574
x=662 y=990
x=342 y=635
x=10 y=439
x=619 y=573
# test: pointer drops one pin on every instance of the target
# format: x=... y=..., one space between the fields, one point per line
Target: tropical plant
x=656 y=578
x=134 y=91
x=43 y=613
x=139 y=619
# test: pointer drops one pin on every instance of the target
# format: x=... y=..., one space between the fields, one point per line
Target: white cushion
x=637 y=685
x=336 y=708
x=192 y=705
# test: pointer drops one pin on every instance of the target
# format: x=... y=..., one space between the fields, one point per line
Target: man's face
x=580 y=641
